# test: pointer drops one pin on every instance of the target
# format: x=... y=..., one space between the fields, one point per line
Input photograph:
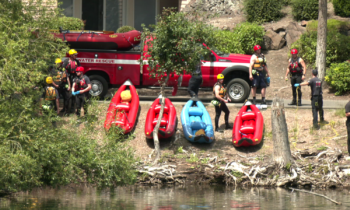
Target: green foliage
x=176 y=44
x=237 y=174
x=305 y=9
x=342 y=7
x=309 y=169
x=288 y=166
x=338 y=77
x=68 y=23
x=193 y=158
x=180 y=150
x=124 y=29
x=241 y=40
x=322 y=148
x=32 y=151
x=332 y=25
x=338 y=45
x=340 y=113
x=286 y=2
x=262 y=10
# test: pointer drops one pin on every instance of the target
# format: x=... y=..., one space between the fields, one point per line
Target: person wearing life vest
x=61 y=82
x=80 y=89
x=219 y=102
x=297 y=70
x=257 y=71
x=316 y=97
x=71 y=65
x=50 y=97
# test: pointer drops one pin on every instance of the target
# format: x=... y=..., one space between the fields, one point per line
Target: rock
x=282 y=34
x=293 y=33
x=273 y=41
x=304 y=23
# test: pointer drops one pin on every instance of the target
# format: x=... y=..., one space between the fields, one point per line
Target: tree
x=175 y=47
x=321 y=39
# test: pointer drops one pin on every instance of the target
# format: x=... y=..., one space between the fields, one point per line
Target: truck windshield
x=219 y=53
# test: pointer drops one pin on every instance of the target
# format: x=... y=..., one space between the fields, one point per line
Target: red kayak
x=100 y=40
x=168 y=123
x=123 y=112
x=248 y=128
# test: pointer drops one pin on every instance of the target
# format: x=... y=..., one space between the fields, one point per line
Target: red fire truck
x=107 y=67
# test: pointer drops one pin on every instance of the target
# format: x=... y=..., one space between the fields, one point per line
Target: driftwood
x=336 y=202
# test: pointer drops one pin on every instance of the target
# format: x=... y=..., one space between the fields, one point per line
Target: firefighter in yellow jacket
x=50 y=97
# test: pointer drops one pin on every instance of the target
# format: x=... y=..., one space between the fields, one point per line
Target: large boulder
x=273 y=41
x=293 y=33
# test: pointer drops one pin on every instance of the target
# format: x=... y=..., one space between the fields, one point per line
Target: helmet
x=220 y=76
x=294 y=51
x=58 y=61
x=257 y=47
x=79 y=68
x=72 y=52
x=49 y=80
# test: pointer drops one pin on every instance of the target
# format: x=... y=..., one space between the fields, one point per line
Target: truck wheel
x=238 y=90
x=99 y=86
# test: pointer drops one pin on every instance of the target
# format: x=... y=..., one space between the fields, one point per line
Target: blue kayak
x=196 y=123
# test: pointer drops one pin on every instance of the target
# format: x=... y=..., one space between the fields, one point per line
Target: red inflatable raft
x=123 y=113
x=100 y=40
x=168 y=123
x=248 y=127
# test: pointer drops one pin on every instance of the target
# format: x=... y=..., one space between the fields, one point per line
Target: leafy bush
x=305 y=9
x=286 y=2
x=124 y=29
x=262 y=10
x=338 y=77
x=338 y=45
x=332 y=25
x=68 y=23
x=342 y=7
x=241 y=40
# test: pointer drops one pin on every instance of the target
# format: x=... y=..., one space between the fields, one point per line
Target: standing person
x=257 y=70
x=316 y=97
x=297 y=69
x=70 y=65
x=80 y=89
x=51 y=97
x=347 y=114
x=220 y=100
x=61 y=82
x=195 y=81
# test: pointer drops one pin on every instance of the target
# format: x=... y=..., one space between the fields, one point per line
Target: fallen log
x=336 y=202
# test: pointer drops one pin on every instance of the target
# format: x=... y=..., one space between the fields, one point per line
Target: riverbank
x=319 y=155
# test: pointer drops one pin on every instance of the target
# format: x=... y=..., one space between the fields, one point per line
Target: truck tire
x=99 y=86
x=238 y=90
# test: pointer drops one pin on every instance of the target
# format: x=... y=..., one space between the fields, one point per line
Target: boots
x=254 y=100
x=299 y=102
x=219 y=131
x=227 y=126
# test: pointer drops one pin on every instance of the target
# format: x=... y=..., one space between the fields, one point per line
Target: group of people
x=67 y=79
x=259 y=76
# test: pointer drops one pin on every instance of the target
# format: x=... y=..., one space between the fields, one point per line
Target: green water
x=174 y=198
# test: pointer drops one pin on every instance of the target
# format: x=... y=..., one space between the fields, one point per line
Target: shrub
x=124 y=29
x=241 y=40
x=262 y=10
x=332 y=25
x=338 y=45
x=69 y=23
x=305 y=9
x=338 y=77
x=342 y=7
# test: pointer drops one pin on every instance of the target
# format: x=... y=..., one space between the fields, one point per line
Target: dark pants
x=218 y=109
x=71 y=98
x=294 y=80
x=317 y=106
x=82 y=101
x=348 y=128
x=65 y=95
x=193 y=85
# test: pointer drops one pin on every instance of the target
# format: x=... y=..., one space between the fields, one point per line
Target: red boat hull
x=248 y=128
x=122 y=114
x=168 y=123
x=98 y=40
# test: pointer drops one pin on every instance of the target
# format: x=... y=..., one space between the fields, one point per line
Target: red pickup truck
x=107 y=67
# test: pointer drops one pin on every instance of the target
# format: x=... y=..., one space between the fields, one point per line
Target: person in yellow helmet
x=61 y=82
x=50 y=97
x=71 y=65
x=220 y=100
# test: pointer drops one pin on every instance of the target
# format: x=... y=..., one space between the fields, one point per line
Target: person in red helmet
x=257 y=71
x=80 y=89
x=297 y=70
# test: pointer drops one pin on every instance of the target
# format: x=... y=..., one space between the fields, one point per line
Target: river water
x=174 y=198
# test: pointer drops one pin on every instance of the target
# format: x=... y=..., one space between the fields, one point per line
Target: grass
x=340 y=112
x=237 y=174
x=322 y=148
x=193 y=158
x=180 y=150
